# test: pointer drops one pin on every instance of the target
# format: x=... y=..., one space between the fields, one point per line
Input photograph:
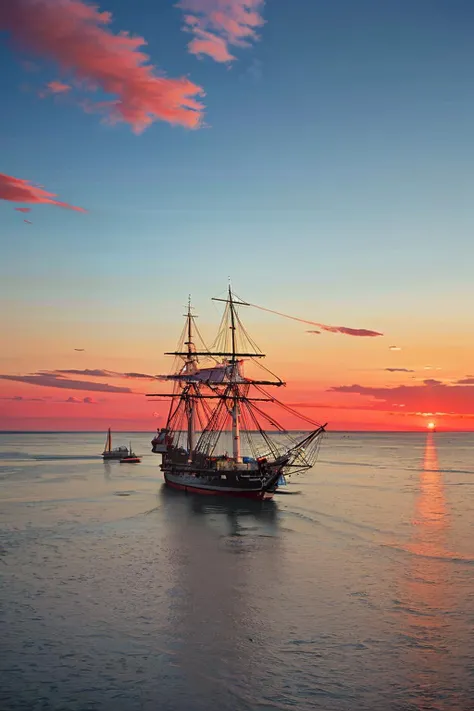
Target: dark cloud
x=56 y=380
x=20 y=398
x=100 y=373
x=362 y=332
x=145 y=376
x=394 y=348
x=80 y=401
x=94 y=373
x=466 y=381
x=399 y=370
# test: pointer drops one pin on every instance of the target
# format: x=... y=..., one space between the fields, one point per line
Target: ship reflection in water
x=430 y=593
x=222 y=552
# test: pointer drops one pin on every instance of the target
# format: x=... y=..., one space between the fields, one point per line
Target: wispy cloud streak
x=20 y=190
x=217 y=25
x=53 y=380
x=76 y=36
x=100 y=373
x=346 y=330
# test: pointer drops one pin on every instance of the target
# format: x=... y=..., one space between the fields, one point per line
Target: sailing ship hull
x=191 y=484
x=115 y=455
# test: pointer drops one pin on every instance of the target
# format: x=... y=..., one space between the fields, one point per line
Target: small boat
x=131 y=457
x=109 y=453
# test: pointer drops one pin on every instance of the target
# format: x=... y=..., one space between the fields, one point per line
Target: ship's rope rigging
x=208 y=402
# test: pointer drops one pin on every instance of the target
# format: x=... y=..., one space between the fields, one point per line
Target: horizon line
x=347 y=431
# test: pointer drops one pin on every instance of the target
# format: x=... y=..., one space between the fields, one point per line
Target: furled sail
x=217 y=375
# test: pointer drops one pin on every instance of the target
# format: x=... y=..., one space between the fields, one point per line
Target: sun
x=431 y=425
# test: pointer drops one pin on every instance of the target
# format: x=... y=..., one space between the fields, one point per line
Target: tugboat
x=109 y=453
x=215 y=407
x=131 y=457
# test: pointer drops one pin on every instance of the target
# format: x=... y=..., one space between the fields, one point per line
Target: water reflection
x=222 y=553
x=107 y=470
x=428 y=588
x=431 y=512
x=234 y=516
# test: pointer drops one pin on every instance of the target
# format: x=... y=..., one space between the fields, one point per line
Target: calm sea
x=353 y=591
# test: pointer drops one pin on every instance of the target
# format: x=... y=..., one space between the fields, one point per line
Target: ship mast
x=190 y=367
x=235 y=408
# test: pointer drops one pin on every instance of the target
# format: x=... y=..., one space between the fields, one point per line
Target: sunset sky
x=319 y=153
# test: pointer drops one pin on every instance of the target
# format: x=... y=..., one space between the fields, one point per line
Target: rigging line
x=289 y=409
x=297 y=414
x=274 y=451
x=204 y=343
x=269 y=419
x=274 y=375
x=222 y=337
x=247 y=335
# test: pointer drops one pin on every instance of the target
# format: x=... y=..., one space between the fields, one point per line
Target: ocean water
x=353 y=591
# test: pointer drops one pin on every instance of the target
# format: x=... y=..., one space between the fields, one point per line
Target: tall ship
x=222 y=436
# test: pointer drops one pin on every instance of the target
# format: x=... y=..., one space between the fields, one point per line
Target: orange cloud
x=75 y=35
x=19 y=190
x=217 y=24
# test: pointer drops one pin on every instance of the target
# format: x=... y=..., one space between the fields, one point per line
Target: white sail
x=217 y=375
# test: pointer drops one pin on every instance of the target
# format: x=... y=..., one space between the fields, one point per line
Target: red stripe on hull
x=258 y=495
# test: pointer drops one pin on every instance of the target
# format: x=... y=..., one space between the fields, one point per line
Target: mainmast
x=190 y=367
x=235 y=408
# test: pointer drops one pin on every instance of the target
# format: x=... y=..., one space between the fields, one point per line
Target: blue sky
x=333 y=177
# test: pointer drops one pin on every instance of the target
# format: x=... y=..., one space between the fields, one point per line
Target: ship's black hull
x=188 y=483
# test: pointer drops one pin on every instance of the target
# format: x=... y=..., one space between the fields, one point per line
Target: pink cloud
x=218 y=24
x=75 y=35
x=431 y=396
x=19 y=190
x=55 y=87
x=363 y=332
x=23 y=209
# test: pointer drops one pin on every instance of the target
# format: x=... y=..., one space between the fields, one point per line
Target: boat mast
x=235 y=408
x=108 y=446
x=190 y=403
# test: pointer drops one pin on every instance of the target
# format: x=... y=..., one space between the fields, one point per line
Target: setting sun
x=431 y=425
